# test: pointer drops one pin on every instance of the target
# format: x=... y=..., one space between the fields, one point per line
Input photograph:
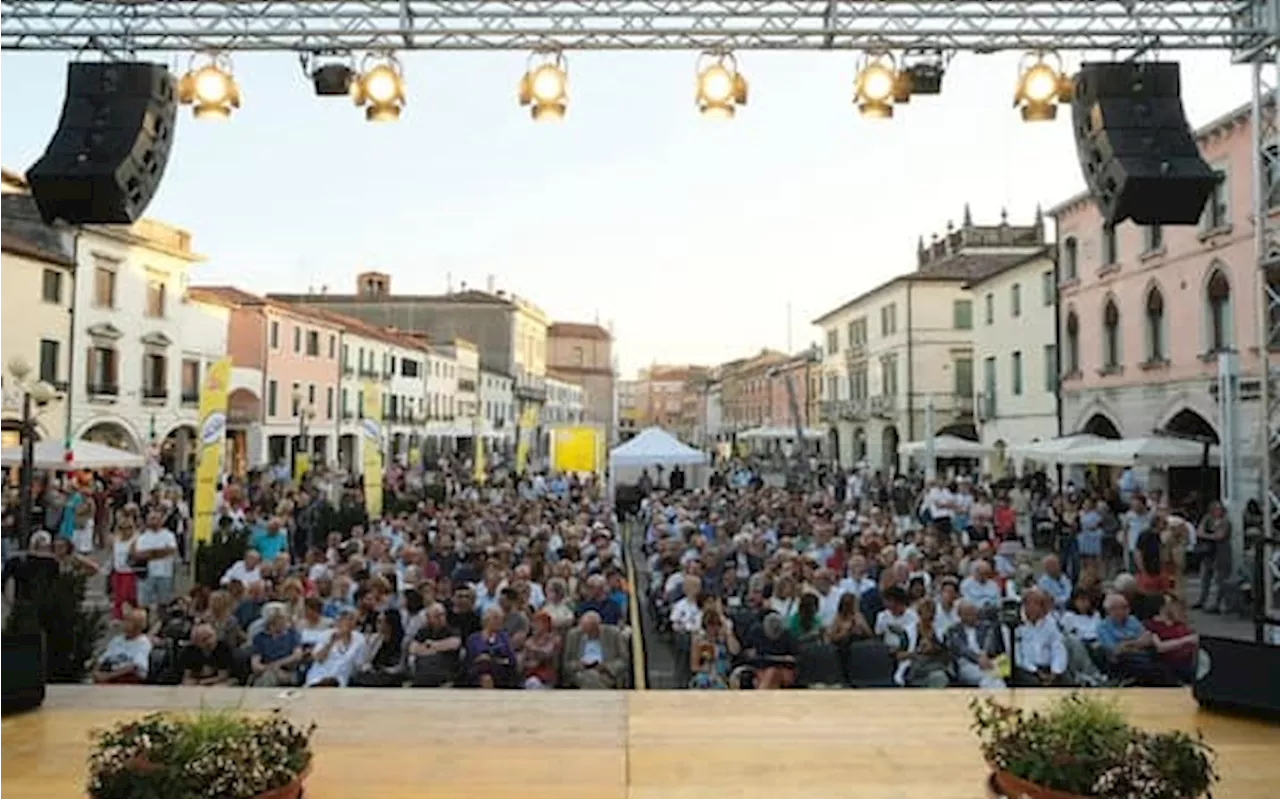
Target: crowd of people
x=870 y=582
x=516 y=583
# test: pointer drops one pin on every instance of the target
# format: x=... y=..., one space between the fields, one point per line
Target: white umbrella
x=945 y=446
x=52 y=456
x=1058 y=451
x=1162 y=452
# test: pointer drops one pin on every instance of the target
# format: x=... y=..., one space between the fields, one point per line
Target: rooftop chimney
x=373 y=284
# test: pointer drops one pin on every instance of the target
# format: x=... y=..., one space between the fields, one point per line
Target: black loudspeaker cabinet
x=109 y=152
x=1239 y=676
x=1138 y=153
x=22 y=684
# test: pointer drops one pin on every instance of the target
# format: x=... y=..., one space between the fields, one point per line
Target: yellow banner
x=574 y=449
x=213 y=442
x=524 y=436
x=371 y=446
x=301 y=465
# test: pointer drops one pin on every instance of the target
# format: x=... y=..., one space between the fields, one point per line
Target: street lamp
x=306 y=412
x=34 y=395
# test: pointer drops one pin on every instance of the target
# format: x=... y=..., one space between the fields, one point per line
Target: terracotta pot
x=1017 y=788
x=290 y=790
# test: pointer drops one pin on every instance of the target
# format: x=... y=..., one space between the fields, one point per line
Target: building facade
x=631 y=410
x=509 y=332
x=667 y=397
x=1148 y=312
x=583 y=354
x=497 y=407
x=902 y=352
x=38 y=264
x=1015 y=352
x=140 y=345
x=566 y=403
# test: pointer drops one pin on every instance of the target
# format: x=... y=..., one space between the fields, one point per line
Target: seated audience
x=127 y=658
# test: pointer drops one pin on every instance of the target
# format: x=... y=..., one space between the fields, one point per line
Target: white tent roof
x=653 y=446
x=52 y=456
x=1162 y=452
x=946 y=447
x=781 y=433
x=1058 y=450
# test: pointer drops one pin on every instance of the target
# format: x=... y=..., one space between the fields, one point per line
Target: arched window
x=1155 y=325
x=1070 y=258
x=1110 y=336
x=1218 y=306
x=1072 y=353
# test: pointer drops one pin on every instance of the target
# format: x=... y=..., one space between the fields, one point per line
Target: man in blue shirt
x=270 y=540
x=1130 y=647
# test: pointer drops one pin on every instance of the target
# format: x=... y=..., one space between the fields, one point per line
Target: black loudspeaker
x=23 y=678
x=111 y=146
x=1138 y=153
x=1239 y=676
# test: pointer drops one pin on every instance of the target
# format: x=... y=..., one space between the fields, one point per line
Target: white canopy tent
x=1158 y=452
x=1058 y=451
x=780 y=434
x=945 y=446
x=652 y=447
x=52 y=456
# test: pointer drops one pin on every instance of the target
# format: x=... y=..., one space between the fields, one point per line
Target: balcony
x=348 y=415
x=190 y=396
x=884 y=405
x=467 y=385
x=855 y=352
x=370 y=373
x=387 y=374
x=103 y=391
x=155 y=395
x=531 y=393
x=348 y=370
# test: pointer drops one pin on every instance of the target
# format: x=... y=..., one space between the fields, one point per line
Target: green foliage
x=71 y=630
x=214 y=557
x=215 y=754
x=1083 y=745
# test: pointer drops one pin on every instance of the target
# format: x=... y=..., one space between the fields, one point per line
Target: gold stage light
x=1042 y=85
x=545 y=86
x=209 y=86
x=876 y=86
x=720 y=85
x=380 y=88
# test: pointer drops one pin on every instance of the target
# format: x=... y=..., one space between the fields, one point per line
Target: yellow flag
x=574 y=449
x=213 y=440
x=480 y=472
x=524 y=434
x=371 y=458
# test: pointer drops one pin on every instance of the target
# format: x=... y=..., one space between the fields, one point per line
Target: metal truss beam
x=947 y=25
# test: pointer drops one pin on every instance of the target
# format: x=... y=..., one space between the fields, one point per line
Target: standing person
x=156 y=547
x=77 y=520
x=124 y=583
x=1213 y=542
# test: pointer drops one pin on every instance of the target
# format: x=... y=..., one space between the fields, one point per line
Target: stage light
x=209 y=86
x=380 y=88
x=1042 y=85
x=720 y=85
x=545 y=86
x=876 y=85
x=333 y=80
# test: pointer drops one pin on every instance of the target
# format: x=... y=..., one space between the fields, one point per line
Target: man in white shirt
x=127 y=658
x=1040 y=653
x=1054 y=583
x=979 y=589
x=157 y=546
x=898 y=626
x=686 y=616
x=857 y=583
x=246 y=571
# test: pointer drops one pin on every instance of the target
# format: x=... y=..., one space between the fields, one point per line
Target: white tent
x=1161 y=452
x=780 y=434
x=946 y=447
x=52 y=456
x=1058 y=451
x=654 y=446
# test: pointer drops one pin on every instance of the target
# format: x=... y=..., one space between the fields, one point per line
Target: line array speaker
x=1138 y=153
x=109 y=152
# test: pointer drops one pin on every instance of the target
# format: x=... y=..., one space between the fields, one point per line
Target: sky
x=698 y=241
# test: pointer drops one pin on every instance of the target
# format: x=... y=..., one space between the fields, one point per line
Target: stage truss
x=953 y=25
x=1248 y=29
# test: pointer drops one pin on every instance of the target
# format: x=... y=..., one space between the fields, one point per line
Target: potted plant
x=208 y=755
x=1083 y=747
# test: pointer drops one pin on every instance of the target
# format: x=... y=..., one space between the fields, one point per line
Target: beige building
x=509 y=332
x=583 y=354
x=38 y=270
x=891 y=353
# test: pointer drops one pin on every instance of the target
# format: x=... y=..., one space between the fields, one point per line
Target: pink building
x=284 y=364
x=1146 y=311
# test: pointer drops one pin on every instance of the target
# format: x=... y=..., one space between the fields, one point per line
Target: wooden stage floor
x=394 y=744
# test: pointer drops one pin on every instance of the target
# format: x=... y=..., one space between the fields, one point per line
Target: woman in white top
x=784 y=601
x=124 y=583
x=1081 y=619
x=336 y=658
